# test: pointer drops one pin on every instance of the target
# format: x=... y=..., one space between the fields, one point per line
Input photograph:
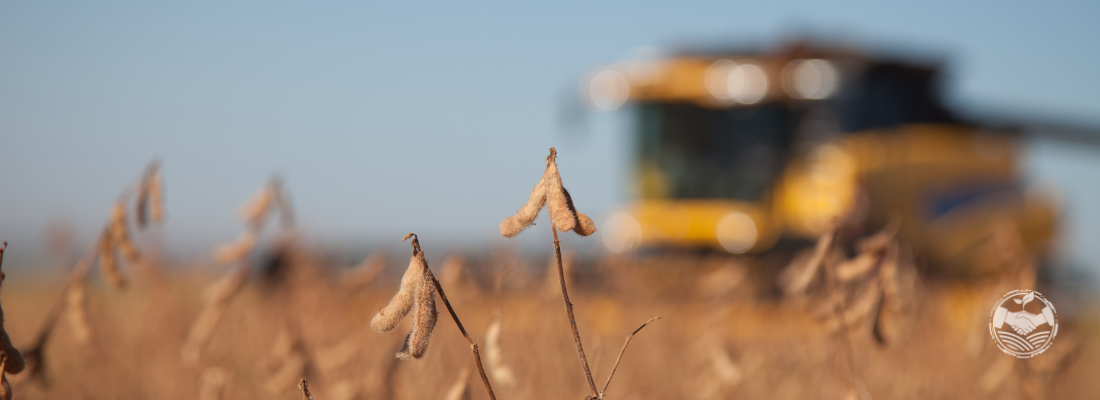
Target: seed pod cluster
x=116 y=240
x=864 y=286
x=416 y=294
x=119 y=232
x=551 y=193
x=218 y=294
x=108 y=264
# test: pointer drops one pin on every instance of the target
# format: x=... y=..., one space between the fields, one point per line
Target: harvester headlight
x=608 y=90
x=737 y=232
x=748 y=83
x=717 y=80
x=622 y=233
x=811 y=79
x=729 y=82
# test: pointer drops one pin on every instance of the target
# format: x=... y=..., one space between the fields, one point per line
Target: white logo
x=1023 y=327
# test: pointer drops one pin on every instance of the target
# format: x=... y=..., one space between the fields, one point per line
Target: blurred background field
x=721 y=336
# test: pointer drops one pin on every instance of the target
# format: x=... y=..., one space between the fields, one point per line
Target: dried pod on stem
x=424 y=317
x=526 y=215
x=108 y=265
x=150 y=196
x=551 y=193
x=417 y=294
x=402 y=302
x=565 y=217
x=119 y=233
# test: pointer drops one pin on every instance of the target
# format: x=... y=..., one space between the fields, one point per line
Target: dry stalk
x=34 y=357
x=846 y=342
x=890 y=306
x=572 y=319
x=620 y=358
x=11 y=361
x=5 y=387
x=304 y=385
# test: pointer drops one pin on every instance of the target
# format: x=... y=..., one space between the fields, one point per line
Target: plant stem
x=838 y=310
x=304 y=385
x=442 y=295
x=621 y=352
x=79 y=272
x=569 y=313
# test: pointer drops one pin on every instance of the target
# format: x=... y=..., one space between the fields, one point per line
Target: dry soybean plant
x=11 y=362
x=254 y=213
x=417 y=294
x=550 y=192
x=866 y=285
x=115 y=238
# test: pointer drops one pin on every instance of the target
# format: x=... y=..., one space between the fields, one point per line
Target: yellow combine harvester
x=733 y=152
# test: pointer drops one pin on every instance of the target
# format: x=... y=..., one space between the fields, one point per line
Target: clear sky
x=386 y=119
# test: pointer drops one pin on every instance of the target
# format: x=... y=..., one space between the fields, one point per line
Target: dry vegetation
x=848 y=318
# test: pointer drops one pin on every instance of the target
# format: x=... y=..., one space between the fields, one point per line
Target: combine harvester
x=734 y=152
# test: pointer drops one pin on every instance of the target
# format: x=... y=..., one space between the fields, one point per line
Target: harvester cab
x=732 y=152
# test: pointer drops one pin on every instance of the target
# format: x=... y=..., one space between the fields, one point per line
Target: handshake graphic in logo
x=1023 y=327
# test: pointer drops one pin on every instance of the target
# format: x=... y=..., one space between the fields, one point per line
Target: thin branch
x=79 y=272
x=443 y=296
x=569 y=313
x=838 y=310
x=621 y=352
x=2 y=260
x=304 y=385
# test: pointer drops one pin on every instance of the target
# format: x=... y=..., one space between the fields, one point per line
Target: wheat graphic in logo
x=1023 y=327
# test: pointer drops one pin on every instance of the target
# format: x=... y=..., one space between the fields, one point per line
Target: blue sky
x=386 y=119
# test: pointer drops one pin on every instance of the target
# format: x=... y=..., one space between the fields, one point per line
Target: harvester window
x=732 y=153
